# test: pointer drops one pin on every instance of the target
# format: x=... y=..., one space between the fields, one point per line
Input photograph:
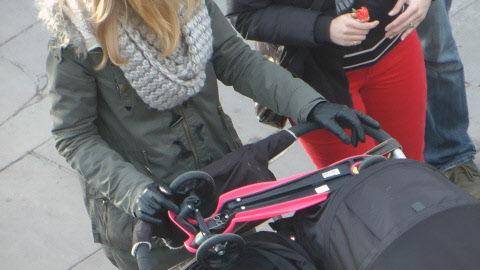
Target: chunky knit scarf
x=165 y=82
x=161 y=82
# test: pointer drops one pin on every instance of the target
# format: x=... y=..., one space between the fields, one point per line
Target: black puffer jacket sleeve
x=281 y=22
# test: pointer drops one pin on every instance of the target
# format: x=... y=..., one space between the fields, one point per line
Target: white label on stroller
x=331 y=173
x=322 y=189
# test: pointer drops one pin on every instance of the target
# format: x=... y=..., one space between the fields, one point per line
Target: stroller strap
x=384 y=148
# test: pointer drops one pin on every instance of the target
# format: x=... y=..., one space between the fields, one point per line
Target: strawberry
x=361 y=14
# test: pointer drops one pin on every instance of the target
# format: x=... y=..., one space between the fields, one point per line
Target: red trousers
x=393 y=91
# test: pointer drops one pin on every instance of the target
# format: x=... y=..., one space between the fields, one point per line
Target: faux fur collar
x=54 y=15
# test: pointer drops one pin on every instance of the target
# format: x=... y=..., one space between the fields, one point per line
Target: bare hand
x=346 y=31
x=408 y=20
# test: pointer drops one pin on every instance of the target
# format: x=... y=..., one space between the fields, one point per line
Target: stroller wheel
x=220 y=250
x=192 y=183
x=371 y=161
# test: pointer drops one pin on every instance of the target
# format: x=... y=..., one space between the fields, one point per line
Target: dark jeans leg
x=446 y=140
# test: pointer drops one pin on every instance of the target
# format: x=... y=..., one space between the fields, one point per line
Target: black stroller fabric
x=397 y=214
x=245 y=166
x=269 y=251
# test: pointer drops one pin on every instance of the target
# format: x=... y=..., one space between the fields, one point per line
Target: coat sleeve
x=254 y=76
x=278 y=23
x=74 y=112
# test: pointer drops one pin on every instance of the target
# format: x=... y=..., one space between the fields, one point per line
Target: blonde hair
x=161 y=17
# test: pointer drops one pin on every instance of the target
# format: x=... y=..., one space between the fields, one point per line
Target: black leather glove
x=336 y=117
x=152 y=204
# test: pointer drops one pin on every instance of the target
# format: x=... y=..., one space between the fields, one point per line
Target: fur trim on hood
x=64 y=32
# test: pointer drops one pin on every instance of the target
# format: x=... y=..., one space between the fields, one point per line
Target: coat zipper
x=147 y=164
x=186 y=128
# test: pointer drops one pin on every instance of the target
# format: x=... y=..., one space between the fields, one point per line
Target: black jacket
x=271 y=21
x=302 y=26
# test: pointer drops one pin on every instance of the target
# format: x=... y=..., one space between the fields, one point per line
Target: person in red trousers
x=372 y=64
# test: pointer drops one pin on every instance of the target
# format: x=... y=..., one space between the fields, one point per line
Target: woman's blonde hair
x=161 y=17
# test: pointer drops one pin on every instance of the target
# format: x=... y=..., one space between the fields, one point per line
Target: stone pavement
x=43 y=222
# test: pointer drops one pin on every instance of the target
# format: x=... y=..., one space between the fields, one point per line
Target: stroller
x=215 y=240
x=373 y=211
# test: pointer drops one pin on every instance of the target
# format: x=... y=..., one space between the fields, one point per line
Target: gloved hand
x=336 y=117
x=152 y=204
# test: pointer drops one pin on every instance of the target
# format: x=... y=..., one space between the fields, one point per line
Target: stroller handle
x=143 y=258
x=378 y=135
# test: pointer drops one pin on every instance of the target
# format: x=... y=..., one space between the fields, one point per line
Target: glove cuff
x=136 y=245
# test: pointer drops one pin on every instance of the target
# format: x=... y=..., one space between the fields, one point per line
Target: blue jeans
x=446 y=140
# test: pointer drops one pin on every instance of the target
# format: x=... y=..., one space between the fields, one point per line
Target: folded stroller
x=243 y=204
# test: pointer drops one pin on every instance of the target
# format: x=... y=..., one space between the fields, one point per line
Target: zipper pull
x=176 y=119
x=147 y=166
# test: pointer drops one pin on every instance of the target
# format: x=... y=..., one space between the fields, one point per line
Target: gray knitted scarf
x=161 y=82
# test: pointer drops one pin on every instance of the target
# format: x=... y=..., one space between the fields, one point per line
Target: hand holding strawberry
x=347 y=32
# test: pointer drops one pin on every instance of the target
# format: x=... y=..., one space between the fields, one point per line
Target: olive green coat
x=119 y=145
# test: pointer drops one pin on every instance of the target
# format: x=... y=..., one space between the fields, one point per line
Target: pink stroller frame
x=214 y=240
x=214 y=235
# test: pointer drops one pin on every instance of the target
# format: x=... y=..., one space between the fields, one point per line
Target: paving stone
x=17 y=15
x=29 y=52
x=96 y=261
x=26 y=131
x=44 y=220
x=460 y=5
x=16 y=89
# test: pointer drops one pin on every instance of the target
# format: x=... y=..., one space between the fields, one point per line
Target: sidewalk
x=43 y=222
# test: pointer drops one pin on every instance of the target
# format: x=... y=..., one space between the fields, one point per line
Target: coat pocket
x=97 y=210
x=118 y=227
x=111 y=225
